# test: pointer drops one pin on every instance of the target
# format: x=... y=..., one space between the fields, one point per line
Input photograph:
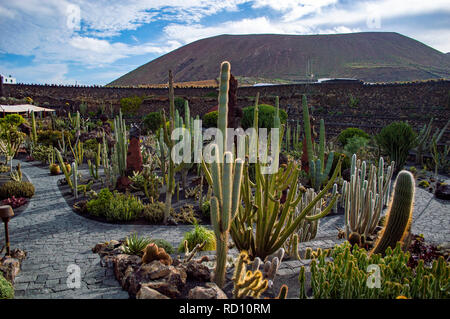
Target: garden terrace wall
x=378 y=104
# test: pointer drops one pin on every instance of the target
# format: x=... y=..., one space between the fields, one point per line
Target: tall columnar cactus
x=364 y=196
x=318 y=171
x=121 y=146
x=225 y=176
x=93 y=167
x=33 y=128
x=64 y=168
x=75 y=179
x=194 y=139
x=399 y=215
x=167 y=132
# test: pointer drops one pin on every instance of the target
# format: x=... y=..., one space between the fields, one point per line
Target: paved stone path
x=56 y=237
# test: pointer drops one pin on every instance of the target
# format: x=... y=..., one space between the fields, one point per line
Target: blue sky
x=94 y=42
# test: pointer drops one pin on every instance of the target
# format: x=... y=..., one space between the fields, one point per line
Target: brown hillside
x=370 y=56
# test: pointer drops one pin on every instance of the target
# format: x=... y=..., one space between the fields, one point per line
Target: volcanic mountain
x=369 y=56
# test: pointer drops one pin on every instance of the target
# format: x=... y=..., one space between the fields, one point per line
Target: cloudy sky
x=94 y=42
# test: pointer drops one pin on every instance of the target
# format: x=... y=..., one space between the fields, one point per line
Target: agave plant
x=134 y=245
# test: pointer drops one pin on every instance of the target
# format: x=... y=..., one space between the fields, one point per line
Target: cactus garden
x=162 y=208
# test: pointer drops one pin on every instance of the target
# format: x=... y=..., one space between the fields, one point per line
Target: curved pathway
x=56 y=237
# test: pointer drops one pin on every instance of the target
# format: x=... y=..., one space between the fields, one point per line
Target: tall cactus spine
x=399 y=215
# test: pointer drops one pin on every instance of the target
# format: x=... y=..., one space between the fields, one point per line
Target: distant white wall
x=8 y=79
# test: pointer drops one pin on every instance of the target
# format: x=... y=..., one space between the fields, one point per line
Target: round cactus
x=55 y=169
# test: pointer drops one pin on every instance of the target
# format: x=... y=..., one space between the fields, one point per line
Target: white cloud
x=295 y=9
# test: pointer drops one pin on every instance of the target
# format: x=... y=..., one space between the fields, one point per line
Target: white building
x=8 y=79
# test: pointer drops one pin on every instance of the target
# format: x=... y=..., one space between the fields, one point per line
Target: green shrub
x=130 y=105
x=424 y=184
x=154 y=212
x=51 y=137
x=152 y=122
x=163 y=244
x=16 y=189
x=41 y=152
x=413 y=170
x=115 y=206
x=6 y=288
x=210 y=119
x=90 y=145
x=206 y=208
x=266 y=116
x=396 y=140
x=11 y=121
x=351 y=132
x=179 y=104
x=4 y=168
x=197 y=236
x=354 y=144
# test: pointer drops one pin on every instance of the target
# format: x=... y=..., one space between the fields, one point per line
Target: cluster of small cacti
x=318 y=171
x=270 y=265
x=247 y=283
x=16 y=175
x=75 y=121
x=364 y=197
x=77 y=151
x=353 y=273
x=153 y=252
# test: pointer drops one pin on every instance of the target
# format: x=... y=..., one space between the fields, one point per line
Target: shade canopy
x=23 y=108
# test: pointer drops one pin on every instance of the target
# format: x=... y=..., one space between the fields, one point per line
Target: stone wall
x=373 y=106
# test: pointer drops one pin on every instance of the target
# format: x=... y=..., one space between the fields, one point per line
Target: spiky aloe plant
x=399 y=215
x=224 y=175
